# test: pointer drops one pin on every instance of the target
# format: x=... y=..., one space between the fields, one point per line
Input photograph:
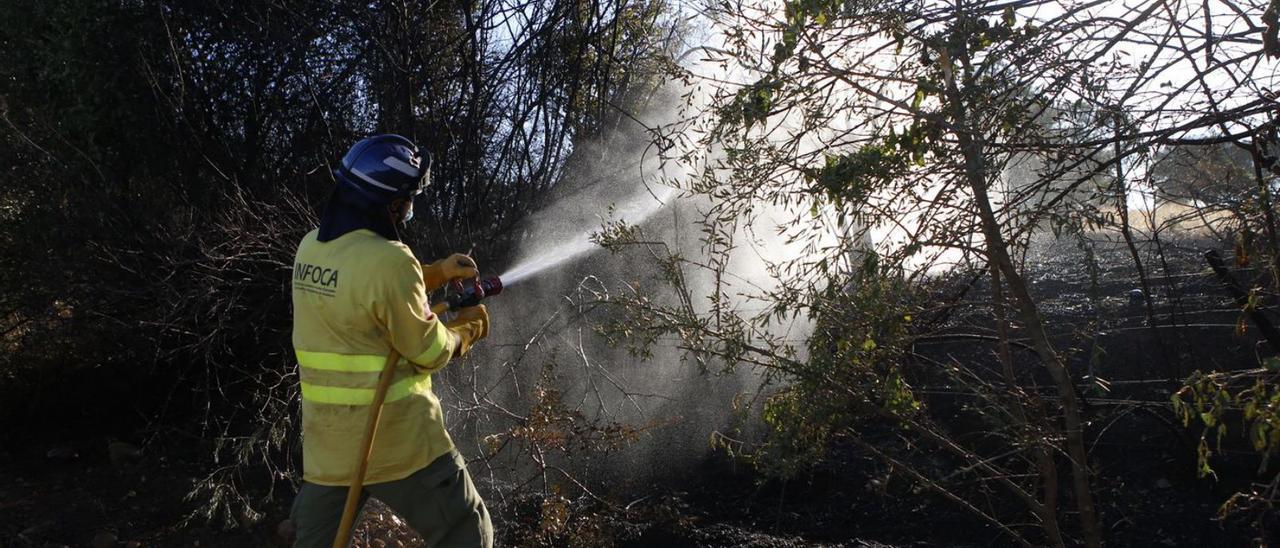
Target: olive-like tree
x=899 y=124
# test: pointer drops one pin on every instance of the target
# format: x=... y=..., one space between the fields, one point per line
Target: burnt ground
x=1146 y=486
x=67 y=490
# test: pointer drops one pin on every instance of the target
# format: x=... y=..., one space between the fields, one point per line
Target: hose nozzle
x=471 y=293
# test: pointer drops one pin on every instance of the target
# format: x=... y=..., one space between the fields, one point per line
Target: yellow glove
x=454 y=267
x=470 y=325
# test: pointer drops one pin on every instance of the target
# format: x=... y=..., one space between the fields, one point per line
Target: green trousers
x=439 y=502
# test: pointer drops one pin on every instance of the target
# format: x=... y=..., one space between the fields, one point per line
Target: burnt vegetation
x=1033 y=246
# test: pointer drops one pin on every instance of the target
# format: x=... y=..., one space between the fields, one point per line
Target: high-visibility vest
x=354 y=298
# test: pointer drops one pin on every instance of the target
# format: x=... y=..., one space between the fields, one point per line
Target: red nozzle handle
x=478 y=290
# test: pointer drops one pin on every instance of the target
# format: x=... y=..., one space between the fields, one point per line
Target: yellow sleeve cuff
x=440 y=346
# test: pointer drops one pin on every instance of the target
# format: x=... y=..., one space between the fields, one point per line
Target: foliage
x=1249 y=402
x=930 y=138
x=853 y=376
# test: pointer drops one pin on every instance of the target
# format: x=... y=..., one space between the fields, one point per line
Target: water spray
x=569 y=245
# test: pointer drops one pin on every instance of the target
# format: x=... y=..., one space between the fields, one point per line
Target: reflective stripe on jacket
x=354 y=298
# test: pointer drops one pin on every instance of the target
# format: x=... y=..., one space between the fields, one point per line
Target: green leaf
x=919 y=98
x=1203 y=454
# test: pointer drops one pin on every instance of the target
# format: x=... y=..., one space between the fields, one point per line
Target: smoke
x=543 y=328
x=544 y=333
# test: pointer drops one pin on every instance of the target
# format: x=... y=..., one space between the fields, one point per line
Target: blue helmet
x=383 y=168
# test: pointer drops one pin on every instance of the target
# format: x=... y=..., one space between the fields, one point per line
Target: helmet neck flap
x=348 y=210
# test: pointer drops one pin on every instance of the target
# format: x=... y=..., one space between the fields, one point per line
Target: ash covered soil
x=1144 y=460
x=76 y=488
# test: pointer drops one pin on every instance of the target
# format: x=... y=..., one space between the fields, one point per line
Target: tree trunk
x=998 y=253
x=1048 y=512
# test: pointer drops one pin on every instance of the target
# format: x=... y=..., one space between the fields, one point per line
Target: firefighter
x=358 y=293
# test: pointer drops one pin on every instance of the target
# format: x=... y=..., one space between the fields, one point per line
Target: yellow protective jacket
x=354 y=299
